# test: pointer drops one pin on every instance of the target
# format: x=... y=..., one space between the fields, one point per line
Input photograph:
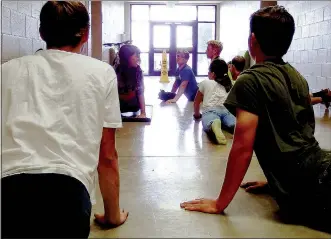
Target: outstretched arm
x=238 y=162
x=239 y=158
x=181 y=91
x=197 y=101
x=175 y=87
x=109 y=181
x=141 y=98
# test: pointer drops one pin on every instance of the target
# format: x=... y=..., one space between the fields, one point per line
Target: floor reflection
x=171 y=160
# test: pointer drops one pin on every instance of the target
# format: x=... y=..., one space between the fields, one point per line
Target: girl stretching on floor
x=213 y=93
x=130 y=81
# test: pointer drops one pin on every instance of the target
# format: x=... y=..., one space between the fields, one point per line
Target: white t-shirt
x=54 y=106
x=214 y=94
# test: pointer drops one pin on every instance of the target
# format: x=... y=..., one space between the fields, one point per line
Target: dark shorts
x=44 y=206
x=130 y=105
x=313 y=206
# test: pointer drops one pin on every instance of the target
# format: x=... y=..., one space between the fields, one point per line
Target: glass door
x=161 y=36
x=185 y=40
x=171 y=37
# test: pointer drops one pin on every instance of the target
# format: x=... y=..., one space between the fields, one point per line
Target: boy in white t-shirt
x=213 y=94
x=60 y=111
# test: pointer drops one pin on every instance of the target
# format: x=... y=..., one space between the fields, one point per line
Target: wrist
x=113 y=218
x=197 y=115
x=220 y=205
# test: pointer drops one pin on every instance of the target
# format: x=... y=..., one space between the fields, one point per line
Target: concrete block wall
x=112 y=24
x=20 y=28
x=234 y=26
x=310 y=51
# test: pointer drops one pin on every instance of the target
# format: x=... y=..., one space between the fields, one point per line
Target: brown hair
x=62 y=23
x=125 y=52
x=239 y=63
x=274 y=29
x=216 y=45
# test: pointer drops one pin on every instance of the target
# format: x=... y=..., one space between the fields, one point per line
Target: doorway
x=171 y=37
x=158 y=27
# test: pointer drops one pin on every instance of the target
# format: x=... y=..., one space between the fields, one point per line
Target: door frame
x=172 y=50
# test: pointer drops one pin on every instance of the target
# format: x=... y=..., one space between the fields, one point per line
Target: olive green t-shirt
x=285 y=142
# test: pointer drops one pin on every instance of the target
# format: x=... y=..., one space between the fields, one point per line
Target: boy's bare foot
x=255 y=187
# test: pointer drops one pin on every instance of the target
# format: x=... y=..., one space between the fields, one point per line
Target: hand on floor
x=255 y=187
x=141 y=116
x=103 y=222
x=171 y=101
x=201 y=205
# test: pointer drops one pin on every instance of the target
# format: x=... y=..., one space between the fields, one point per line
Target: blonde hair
x=184 y=54
x=216 y=45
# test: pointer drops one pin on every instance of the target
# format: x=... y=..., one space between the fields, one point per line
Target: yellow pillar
x=164 y=68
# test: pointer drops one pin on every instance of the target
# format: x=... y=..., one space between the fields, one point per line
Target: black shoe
x=161 y=94
x=166 y=95
x=326 y=98
x=320 y=93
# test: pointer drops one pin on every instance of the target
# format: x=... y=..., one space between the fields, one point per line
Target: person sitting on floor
x=185 y=81
x=130 y=81
x=213 y=93
x=60 y=112
x=236 y=66
x=275 y=118
x=214 y=49
x=321 y=97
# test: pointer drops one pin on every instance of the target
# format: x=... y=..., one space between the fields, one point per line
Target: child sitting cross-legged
x=213 y=93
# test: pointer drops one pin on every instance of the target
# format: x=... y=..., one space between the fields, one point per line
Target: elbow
x=183 y=87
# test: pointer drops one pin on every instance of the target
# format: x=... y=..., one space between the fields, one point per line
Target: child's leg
x=320 y=93
x=207 y=119
x=323 y=96
x=212 y=125
x=228 y=121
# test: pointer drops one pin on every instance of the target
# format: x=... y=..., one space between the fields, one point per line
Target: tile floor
x=170 y=160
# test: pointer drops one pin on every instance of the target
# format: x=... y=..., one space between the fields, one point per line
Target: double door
x=171 y=37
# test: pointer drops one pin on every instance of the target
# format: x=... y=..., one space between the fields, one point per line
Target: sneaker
x=326 y=99
x=216 y=127
x=325 y=95
x=321 y=93
x=161 y=94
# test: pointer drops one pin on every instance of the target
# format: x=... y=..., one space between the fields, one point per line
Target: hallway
x=171 y=160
